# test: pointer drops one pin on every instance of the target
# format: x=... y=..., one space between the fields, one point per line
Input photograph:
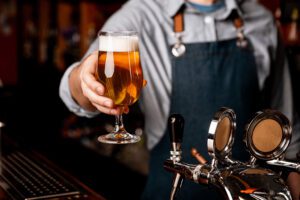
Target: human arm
x=86 y=90
x=79 y=89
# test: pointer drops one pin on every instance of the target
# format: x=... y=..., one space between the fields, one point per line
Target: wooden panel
x=8 y=41
x=44 y=20
x=92 y=17
x=65 y=12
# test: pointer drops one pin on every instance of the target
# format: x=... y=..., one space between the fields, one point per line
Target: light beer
x=119 y=68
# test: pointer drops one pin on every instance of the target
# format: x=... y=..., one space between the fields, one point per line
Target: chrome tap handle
x=176 y=125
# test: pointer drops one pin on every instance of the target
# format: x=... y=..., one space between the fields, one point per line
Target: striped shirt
x=152 y=19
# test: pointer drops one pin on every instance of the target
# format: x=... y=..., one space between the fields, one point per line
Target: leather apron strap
x=178 y=27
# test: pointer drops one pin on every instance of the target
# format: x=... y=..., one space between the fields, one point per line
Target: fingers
x=93 y=90
x=102 y=103
x=88 y=74
x=109 y=111
x=90 y=81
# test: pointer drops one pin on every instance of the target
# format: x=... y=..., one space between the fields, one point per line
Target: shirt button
x=208 y=19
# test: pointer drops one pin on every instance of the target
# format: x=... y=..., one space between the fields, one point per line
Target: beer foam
x=118 y=43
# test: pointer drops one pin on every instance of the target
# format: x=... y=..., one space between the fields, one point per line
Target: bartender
x=197 y=56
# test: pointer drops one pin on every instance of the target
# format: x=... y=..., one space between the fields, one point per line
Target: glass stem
x=119 y=127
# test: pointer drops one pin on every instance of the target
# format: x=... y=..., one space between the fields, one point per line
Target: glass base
x=119 y=138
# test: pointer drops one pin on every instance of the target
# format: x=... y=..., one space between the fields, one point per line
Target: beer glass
x=119 y=70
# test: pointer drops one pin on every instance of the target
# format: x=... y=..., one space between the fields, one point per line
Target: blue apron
x=208 y=76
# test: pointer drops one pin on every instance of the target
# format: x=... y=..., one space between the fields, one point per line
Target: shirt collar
x=172 y=7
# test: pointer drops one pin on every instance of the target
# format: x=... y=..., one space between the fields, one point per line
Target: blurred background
x=39 y=39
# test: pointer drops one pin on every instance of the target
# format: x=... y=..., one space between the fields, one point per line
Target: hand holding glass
x=119 y=70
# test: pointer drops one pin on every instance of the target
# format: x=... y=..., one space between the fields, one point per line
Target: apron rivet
x=178 y=50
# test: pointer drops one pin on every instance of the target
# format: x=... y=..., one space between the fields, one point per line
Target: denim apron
x=206 y=77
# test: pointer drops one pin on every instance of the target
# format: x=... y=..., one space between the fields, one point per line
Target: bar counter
x=27 y=174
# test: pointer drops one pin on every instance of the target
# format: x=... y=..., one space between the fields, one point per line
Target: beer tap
x=197 y=173
x=175 y=126
x=275 y=127
x=233 y=179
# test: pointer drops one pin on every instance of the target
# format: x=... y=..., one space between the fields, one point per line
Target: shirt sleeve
x=279 y=88
x=127 y=18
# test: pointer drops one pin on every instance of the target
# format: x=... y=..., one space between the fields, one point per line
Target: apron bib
x=206 y=77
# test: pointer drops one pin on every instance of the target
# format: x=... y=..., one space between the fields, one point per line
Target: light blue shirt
x=152 y=19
